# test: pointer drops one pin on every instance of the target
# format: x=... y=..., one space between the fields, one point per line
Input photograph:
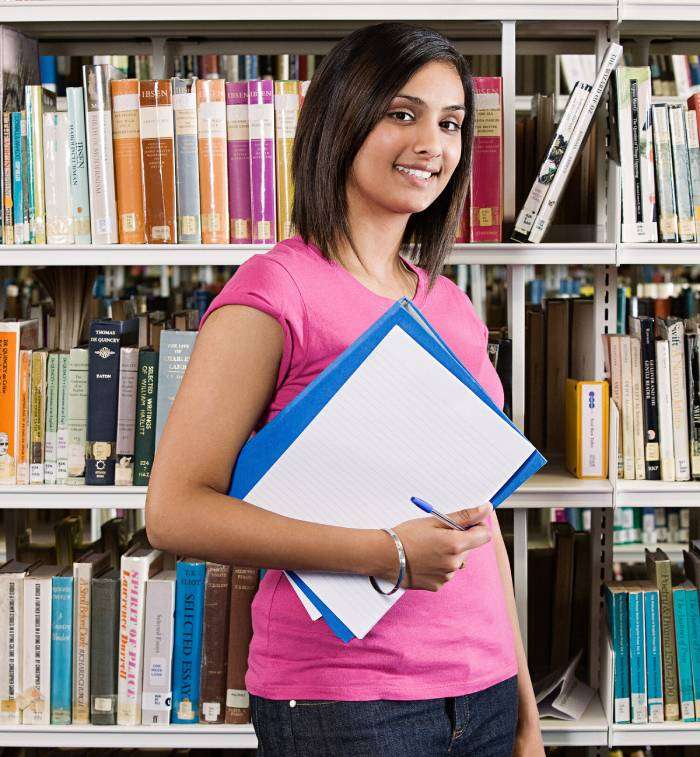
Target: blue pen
x=428 y=508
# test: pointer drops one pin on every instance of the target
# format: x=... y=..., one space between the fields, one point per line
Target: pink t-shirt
x=430 y=644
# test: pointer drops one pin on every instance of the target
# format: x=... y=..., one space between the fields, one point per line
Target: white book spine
x=158 y=650
x=691 y=128
x=549 y=166
x=11 y=637
x=549 y=205
x=627 y=408
x=50 y=434
x=679 y=401
x=36 y=665
x=62 y=431
x=82 y=576
x=663 y=394
x=59 y=213
x=592 y=429
x=126 y=416
x=663 y=165
x=638 y=407
x=681 y=173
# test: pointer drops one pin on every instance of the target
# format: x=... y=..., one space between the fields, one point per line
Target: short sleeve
x=265 y=284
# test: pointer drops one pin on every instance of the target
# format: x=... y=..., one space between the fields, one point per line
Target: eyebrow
x=418 y=101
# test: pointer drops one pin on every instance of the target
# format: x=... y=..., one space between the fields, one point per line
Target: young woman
x=381 y=163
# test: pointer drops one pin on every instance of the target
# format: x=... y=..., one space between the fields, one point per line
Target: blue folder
x=261 y=452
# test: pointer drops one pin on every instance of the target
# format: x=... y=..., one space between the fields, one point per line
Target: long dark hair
x=348 y=95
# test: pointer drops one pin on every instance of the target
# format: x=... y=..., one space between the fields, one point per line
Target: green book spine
x=50 y=458
x=62 y=419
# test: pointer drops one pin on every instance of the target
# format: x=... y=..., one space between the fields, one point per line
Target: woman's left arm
x=528 y=740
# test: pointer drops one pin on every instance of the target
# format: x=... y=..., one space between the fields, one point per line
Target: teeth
x=414 y=172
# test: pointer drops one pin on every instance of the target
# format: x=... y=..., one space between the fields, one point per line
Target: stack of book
x=651 y=525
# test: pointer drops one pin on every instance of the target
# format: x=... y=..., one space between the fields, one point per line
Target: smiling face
x=410 y=155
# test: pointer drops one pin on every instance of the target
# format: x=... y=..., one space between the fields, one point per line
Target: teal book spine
x=31 y=136
x=17 y=193
x=638 y=687
x=685 y=676
x=693 y=609
x=187 y=648
x=61 y=648
x=652 y=630
x=618 y=623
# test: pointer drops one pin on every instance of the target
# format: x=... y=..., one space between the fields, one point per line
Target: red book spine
x=486 y=212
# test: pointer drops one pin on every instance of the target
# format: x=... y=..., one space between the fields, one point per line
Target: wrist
x=382 y=559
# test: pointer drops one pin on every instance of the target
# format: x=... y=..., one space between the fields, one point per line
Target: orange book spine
x=22 y=448
x=8 y=401
x=213 y=156
x=128 y=174
x=158 y=158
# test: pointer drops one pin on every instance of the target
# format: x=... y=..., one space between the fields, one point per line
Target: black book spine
x=651 y=412
x=146 y=402
x=104 y=648
x=692 y=373
x=107 y=337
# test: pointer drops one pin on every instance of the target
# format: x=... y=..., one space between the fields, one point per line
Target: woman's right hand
x=434 y=551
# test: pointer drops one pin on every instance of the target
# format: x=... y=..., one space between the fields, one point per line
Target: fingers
x=471 y=516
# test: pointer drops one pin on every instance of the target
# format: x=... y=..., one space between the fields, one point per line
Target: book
x=126 y=416
x=693 y=611
x=24 y=429
x=62 y=418
x=77 y=413
x=98 y=130
x=663 y=163
x=238 y=146
x=158 y=159
x=685 y=676
x=51 y=418
x=261 y=133
x=286 y=113
x=61 y=646
x=681 y=173
x=8 y=236
x=663 y=388
x=175 y=350
x=187 y=645
x=186 y=161
x=213 y=179
x=212 y=708
x=19 y=148
x=691 y=127
x=137 y=565
x=616 y=602
x=486 y=206
x=37 y=416
x=37 y=101
x=158 y=649
x=586 y=424
x=128 y=172
x=104 y=647
x=57 y=187
x=145 y=422
x=638 y=684
x=652 y=649
x=78 y=173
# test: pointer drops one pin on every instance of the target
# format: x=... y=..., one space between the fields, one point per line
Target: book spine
x=638 y=409
x=158 y=159
x=668 y=641
x=158 y=652
x=685 y=677
x=551 y=162
x=691 y=127
x=59 y=218
x=692 y=372
x=8 y=236
x=11 y=638
x=24 y=416
x=61 y=649
x=663 y=388
x=20 y=232
x=627 y=406
x=681 y=173
x=35 y=129
x=62 y=419
x=189 y=230
x=261 y=118
x=175 y=350
x=551 y=200
x=9 y=344
x=98 y=122
x=77 y=149
x=187 y=648
x=214 y=643
x=286 y=113
x=82 y=577
x=145 y=425
x=638 y=688
x=619 y=624
x=244 y=584
x=486 y=209
x=616 y=394
x=104 y=645
x=679 y=400
x=128 y=173
x=77 y=413
x=238 y=142
x=663 y=162
x=651 y=415
x=38 y=416
x=51 y=419
x=693 y=610
x=213 y=179
x=655 y=691
x=36 y=665
x=126 y=416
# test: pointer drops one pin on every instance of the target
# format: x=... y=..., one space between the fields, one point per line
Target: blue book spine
x=655 y=687
x=186 y=161
x=685 y=676
x=638 y=687
x=17 y=192
x=79 y=192
x=61 y=648
x=618 y=622
x=30 y=179
x=187 y=647
x=693 y=608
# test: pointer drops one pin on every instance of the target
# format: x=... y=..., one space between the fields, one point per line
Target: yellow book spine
x=286 y=112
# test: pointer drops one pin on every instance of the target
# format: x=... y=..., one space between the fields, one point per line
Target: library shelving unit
x=165 y=28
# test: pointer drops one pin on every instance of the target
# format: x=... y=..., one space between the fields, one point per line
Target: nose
x=428 y=142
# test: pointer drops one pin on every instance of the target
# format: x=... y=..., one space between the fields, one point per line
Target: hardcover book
x=186 y=161
x=214 y=643
x=61 y=647
x=145 y=425
x=175 y=350
x=238 y=161
x=104 y=647
x=261 y=120
x=286 y=113
x=126 y=415
x=78 y=173
x=59 y=215
x=486 y=211
x=77 y=414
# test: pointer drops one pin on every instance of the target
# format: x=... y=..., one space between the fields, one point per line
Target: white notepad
x=402 y=425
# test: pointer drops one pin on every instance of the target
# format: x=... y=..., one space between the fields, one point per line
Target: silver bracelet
x=402 y=564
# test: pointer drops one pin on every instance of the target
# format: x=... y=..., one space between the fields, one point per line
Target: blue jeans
x=482 y=723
